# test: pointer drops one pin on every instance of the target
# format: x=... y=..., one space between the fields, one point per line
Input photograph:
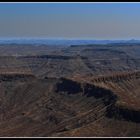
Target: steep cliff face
x=119 y=93
x=126 y=87
x=122 y=113
x=68 y=86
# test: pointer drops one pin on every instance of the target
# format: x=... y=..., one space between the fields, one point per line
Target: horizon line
x=63 y=38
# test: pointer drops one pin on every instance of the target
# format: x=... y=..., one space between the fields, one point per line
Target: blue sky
x=70 y=20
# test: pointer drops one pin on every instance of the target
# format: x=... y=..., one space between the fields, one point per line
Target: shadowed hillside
x=63 y=107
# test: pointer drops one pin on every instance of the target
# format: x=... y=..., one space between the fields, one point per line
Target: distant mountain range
x=64 y=41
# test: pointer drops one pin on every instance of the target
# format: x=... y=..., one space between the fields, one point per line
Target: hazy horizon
x=47 y=38
x=57 y=38
x=88 y=21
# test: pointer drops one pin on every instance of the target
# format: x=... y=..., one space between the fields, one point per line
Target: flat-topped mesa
x=16 y=76
x=117 y=77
